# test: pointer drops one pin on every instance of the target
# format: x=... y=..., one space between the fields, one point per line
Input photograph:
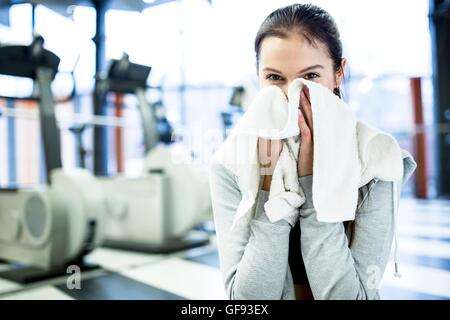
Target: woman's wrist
x=305 y=173
x=266 y=183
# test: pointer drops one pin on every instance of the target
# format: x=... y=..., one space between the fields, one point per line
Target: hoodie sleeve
x=253 y=257
x=337 y=268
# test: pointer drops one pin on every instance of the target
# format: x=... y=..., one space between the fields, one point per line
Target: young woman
x=313 y=259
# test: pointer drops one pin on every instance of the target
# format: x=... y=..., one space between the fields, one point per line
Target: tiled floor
x=424 y=256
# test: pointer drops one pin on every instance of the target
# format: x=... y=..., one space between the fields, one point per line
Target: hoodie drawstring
x=395 y=205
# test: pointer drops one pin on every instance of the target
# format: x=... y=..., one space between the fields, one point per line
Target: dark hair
x=311 y=21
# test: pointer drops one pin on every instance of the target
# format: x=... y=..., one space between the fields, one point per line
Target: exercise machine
x=155 y=211
x=55 y=225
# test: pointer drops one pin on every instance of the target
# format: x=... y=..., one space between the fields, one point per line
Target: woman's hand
x=269 y=150
x=305 y=123
x=268 y=153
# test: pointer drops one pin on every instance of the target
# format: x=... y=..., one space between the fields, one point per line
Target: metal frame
x=40 y=65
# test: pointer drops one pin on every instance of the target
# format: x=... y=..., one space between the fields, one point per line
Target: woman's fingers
x=305 y=104
x=269 y=150
x=305 y=152
x=304 y=128
x=305 y=157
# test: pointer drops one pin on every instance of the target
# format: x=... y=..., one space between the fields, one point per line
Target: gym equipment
x=235 y=110
x=155 y=211
x=53 y=226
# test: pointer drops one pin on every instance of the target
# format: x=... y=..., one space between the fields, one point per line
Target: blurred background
x=141 y=84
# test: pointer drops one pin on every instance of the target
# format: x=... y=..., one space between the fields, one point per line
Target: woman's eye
x=311 y=75
x=273 y=77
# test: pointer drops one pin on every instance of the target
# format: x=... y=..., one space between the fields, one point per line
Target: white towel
x=285 y=195
x=347 y=153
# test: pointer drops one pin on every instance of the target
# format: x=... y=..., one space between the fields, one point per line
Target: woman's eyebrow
x=271 y=70
x=311 y=67
x=301 y=71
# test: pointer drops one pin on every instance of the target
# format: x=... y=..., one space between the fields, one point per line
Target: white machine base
x=188 y=242
x=26 y=275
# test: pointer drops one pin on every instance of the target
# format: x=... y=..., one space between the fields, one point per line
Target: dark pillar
x=100 y=132
x=440 y=42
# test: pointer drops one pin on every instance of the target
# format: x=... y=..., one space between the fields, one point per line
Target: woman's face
x=283 y=60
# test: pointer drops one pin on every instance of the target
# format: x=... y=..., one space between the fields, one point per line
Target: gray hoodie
x=340 y=263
